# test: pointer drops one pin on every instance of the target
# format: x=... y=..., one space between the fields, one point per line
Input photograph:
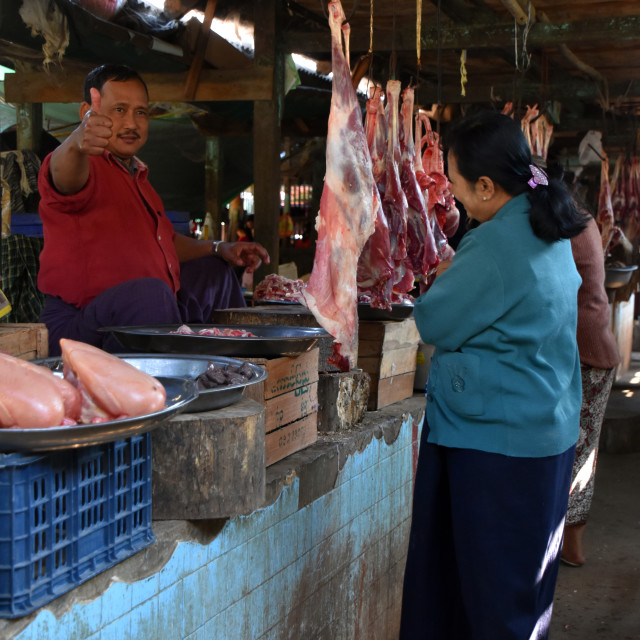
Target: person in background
x=248 y=227
x=236 y=217
x=285 y=228
x=245 y=231
x=503 y=399
x=599 y=357
x=111 y=256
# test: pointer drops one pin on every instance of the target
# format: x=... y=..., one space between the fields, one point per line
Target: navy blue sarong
x=484 y=547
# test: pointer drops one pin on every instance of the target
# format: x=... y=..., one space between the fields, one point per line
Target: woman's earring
x=484 y=197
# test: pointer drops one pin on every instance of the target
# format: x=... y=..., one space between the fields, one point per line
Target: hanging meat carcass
x=529 y=126
x=347 y=207
x=605 y=219
x=421 y=247
x=544 y=138
x=619 y=185
x=625 y=197
x=375 y=267
x=630 y=220
x=442 y=204
x=376 y=131
x=427 y=183
x=394 y=201
x=507 y=110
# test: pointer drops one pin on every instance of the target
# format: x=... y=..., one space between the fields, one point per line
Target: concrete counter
x=322 y=557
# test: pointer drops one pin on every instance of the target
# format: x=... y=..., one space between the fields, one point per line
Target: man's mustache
x=128 y=134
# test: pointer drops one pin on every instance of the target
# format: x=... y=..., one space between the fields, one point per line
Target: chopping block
x=210 y=464
x=294 y=315
x=342 y=399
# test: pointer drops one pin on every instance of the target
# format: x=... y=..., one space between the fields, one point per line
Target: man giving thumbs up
x=111 y=256
x=116 y=120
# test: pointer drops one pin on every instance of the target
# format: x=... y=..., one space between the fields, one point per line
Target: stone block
x=342 y=400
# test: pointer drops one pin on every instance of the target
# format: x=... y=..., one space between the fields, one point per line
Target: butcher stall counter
x=247 y=551
x=248 y=518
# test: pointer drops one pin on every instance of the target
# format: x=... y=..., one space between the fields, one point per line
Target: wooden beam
x=219 y=53
x=198 y=58
x=520 y=12
x=460 y=11
x=211 y=124
x=254 y=83
x=476 y=36
x=569 y=89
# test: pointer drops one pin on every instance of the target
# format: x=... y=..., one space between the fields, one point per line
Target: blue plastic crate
x=180 y=221
x=67 y=516
x=26 y=224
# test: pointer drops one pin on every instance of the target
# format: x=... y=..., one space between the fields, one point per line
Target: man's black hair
x=110 y=72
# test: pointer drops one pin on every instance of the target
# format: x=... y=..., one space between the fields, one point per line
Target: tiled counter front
x=324 y=559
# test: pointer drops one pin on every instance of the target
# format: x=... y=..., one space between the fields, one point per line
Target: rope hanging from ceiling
x=522 y=57
x=418 y=33
x=392 y=57
x=463 y=72
x=438 y=67
x=371 y=27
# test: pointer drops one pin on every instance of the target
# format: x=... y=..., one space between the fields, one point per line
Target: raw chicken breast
x=32 y=397
x=111 y=388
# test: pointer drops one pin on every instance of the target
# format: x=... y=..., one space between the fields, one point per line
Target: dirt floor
x=601 y=599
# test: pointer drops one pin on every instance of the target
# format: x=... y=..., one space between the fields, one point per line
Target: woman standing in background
x=598 y=359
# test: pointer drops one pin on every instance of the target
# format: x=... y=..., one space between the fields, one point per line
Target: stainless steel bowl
x=187 y=367
x=618 y=276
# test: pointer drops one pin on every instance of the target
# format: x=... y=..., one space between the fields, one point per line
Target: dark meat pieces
x=222 y=376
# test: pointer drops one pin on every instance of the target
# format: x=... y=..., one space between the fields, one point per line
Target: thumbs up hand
x=96 y=99
x=93 y=135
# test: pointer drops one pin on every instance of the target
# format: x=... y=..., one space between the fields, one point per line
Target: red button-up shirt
x=113 y=230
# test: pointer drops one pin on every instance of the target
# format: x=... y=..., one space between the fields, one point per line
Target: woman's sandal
x=569 y=563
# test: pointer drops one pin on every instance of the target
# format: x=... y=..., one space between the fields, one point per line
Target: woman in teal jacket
x=503 y=400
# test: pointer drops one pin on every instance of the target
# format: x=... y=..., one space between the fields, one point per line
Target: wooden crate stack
x=24 y=340
x=290 y=395
x=387 y=352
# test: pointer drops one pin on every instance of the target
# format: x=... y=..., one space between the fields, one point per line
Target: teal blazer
x=505 y=373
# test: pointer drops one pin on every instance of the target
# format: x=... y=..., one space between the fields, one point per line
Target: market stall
x=256 y=506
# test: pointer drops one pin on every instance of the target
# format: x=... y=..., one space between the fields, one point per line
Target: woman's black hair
x=109 y=72
x=493 y=145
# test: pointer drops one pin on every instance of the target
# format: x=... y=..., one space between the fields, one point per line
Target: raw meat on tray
x=276 y=287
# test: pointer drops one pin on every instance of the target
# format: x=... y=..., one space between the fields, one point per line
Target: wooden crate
x=290 y=395
x=387 y=352
x=26 y=341
x=291 y=438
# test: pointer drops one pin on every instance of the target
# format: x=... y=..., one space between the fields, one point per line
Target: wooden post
x=266 y=136
x=286 y=179
x=29 y=126
x=212 y=170
x=286 y=183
